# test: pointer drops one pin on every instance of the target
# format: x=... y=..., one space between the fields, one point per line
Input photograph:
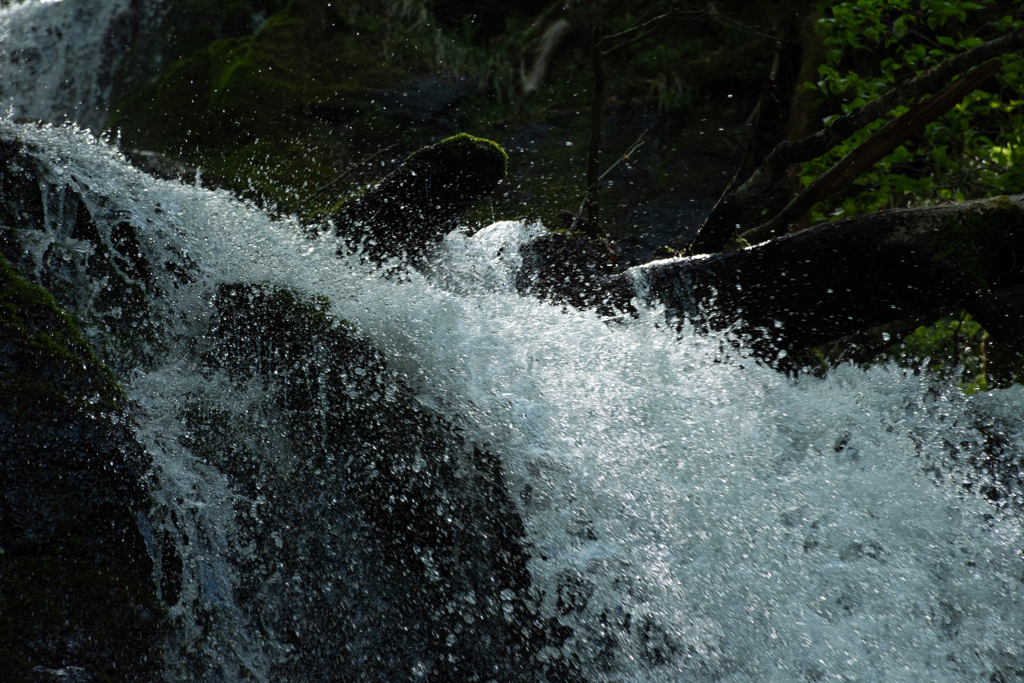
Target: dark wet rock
x=159 y=166
x=423 y=199
x=571 y=269
x=76 y=591
x=407 y=550
x=379 y=499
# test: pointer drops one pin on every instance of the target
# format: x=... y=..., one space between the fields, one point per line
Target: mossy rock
x=423 y=199
x=75 y=576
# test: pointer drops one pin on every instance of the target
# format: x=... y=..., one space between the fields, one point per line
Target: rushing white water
x=57 y=59
x=688 y=519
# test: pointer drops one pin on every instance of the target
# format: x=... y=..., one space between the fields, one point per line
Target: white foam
x=57 y=59
x=752 y=527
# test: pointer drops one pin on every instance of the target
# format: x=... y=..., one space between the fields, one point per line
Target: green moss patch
x=75 y=577
x=45 y=356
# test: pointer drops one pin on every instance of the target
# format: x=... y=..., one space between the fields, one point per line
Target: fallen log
x=830 y=282
x=842 y=278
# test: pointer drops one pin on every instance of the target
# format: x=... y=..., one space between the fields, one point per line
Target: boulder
x=363 y=491
x=76 y=588
x=422 y=200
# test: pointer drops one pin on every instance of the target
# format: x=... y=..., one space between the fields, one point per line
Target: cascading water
x=685 y=519
x=58 y=59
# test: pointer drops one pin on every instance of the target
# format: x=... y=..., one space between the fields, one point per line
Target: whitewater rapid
x=688 y=518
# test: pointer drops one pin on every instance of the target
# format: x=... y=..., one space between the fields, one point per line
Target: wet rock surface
x=76 y=586
x=422 y=200
x=369 y=536
x=403 y=550
x=572 y=269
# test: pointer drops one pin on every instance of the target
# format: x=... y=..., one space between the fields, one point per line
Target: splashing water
x=687 y=519
x=58 y=59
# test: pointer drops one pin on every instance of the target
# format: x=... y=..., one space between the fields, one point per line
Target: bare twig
x=344 y=174
x=622 y=35
x=636 y=38
x=625 y=156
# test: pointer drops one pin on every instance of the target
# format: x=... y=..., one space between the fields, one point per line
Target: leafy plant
x=954 y=347
x=972 y=151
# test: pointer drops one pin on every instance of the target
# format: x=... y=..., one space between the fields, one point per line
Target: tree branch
x=722 y=222
x=549 y=42
x=881 y=143
x=635 y=27
x=715 y=231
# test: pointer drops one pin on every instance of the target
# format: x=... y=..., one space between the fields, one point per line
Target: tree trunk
x=842 y=278
x=596 y=115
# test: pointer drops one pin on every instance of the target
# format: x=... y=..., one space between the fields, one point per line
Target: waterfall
x=59 y=59
x=687 y=516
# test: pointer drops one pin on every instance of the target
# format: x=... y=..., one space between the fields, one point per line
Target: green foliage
x=47 y=358
x=972 y=151
x=953 y=347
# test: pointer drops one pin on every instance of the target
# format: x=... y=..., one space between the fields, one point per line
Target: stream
x=687 y=517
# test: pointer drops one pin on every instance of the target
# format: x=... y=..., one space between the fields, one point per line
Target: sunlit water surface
x=722 y=522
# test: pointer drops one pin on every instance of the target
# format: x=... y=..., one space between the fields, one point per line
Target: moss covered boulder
x=423 y=199
x=75 y=576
